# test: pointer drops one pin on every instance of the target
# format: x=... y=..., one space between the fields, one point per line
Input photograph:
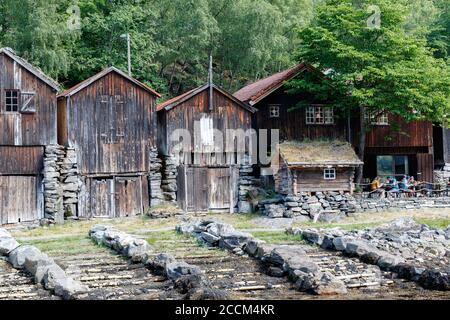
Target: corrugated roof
x=171 y=103
x=319 y=152
x=34 y=70
x=89 y=81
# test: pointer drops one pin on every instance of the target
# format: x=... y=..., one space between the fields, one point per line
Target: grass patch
x=441 y=223
x=277 y=237
x=238 y=220
x=67 y=246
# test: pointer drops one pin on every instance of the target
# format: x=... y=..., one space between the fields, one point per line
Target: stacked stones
x=43 y=268
x=442 y=177
x=169 y=179
x=413 y=251
x=53 y=192
x=246 y=185
x=321 y=206
x=289 y=260
x=154 y=178
x=187 y=278
x=70 y=181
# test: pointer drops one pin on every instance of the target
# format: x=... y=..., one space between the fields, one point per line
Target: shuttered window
x=12 y=100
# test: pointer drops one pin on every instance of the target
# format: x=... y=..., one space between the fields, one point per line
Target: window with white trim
x=381 y=120
x=274 y=110
x=319 y=115
x=329 y=174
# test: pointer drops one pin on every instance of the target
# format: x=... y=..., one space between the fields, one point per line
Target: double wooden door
x=207 y=188
x=116 y=197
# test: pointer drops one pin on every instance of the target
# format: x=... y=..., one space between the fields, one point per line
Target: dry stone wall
x=169 y=179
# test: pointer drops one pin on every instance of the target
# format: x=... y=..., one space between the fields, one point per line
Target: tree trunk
x=361 y=145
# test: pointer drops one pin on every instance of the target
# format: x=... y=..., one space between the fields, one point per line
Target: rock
x=264 y=250
x=233 y=240
x=312 y=236
x=138 y=250
x=158 y=264
x=32 y=262
x=357 y=248
x=186 y=283
x=42 y=268
x=251 y=247
x=388 y=261
x=54 y=276
x=327 y=242
x=7 y=244
x=435 y=280
x=210 y=238
x=282 y=253
x=17 y=256
x=208 y=294
x=275 y=272
x=407 y=271
x=329 y=285
x=174 y=270
x=371 y=257
x=220 y=229
x=67 y=288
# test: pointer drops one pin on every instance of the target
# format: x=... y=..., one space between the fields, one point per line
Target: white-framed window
x=329 y=174
x=381 y=120
x=274 y=110
x=319 y=115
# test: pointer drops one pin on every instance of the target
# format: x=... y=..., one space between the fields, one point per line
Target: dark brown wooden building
x=27 y=125
x=207 y=170
x=110 y=121
x=315 y=166
x=395 y=147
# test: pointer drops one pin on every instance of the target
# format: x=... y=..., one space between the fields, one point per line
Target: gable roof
x=319 y=153
x=255 y=92
x=32 y=69
x=172 y=103
x=77 y=88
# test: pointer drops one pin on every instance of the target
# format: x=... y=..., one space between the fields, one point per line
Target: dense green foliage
x=172 y=39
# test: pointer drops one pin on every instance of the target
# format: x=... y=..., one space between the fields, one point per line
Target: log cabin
x=316 y=166
x=110 y=122
x=207 y=173
x=27 y=126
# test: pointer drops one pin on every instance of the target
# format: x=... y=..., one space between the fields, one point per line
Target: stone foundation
x=53 y=192
x=246 y=185
x=333 y=206
x=154 y=179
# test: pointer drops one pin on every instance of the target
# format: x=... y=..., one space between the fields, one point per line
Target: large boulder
x=177 y=269
x=329 y=285
x=389 y=261
x=312 y=236
x=233 y=240
x=17 y=256
x=53 y=277
x=283 y=253
x=264 y=250
x=357 y=248
x=7 y=244
x=210 y=238
x=158 y=263
x=67 y=288
x=435 y=280
x=138 y=250
x=251 y=247
x=340 y=243
x=34 y=260
x=220 y=229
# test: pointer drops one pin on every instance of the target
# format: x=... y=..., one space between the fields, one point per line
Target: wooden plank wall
x=111 y=137
x=311 y=180
x=21 y=160
x=292 y=124
x=226 y=115
x=32 y=129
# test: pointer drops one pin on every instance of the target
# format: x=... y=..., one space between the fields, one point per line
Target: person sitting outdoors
x=404 y=185
x=412 y=183
x=388 y=184
x=377 y=187
x=393 y=186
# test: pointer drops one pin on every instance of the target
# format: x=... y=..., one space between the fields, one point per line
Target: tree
x=37 y=30
x=439 y=36
x=374 y=68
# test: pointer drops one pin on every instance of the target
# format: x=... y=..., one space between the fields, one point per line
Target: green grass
x=238 y=220
x=276 y=237
x=67 y=246
x=441 y=223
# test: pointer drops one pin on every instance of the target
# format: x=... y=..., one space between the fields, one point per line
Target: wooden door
x=19 y=199
x=102 y=197
x=128 y=196
x=425 y=167
x=220 y=193
x=195 y=189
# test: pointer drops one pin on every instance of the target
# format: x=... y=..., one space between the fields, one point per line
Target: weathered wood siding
x=311 y=180
x=226 y=114
x=292 y=123
x=21 y=199
x=21 y=160
x=26 y=129
x=112 y=125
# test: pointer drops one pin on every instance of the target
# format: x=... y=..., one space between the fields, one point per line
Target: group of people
x=391 y=185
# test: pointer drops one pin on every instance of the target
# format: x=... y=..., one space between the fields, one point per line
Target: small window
x=319 y=115
x=274 y=111
x=12 y=100
x=381 y=120
x=329 y=174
